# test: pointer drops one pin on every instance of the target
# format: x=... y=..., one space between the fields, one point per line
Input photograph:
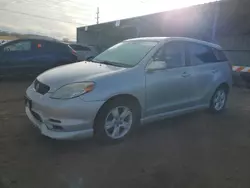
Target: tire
x=218 y=100
x=109 y=128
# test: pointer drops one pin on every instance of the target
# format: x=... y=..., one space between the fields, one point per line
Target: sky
x=59 y=18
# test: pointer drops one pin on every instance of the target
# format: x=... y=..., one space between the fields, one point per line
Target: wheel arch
x=224 y=85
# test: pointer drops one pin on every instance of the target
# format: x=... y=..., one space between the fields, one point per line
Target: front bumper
x=62 y=119
x=58 y=135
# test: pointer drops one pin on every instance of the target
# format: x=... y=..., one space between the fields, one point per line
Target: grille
x=41 y=88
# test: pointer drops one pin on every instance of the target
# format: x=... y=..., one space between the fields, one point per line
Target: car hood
x=76 y=72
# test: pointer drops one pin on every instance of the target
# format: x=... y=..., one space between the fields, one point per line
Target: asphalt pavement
x=192 y=151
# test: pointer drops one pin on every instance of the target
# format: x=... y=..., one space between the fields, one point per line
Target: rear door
x=64 y=54
x=205 y=65
x=17 y=58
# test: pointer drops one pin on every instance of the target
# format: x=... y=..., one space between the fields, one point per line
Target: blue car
x=24 y=57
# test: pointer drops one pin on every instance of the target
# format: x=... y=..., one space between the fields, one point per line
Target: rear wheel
x=116 y=120
x=219 y=99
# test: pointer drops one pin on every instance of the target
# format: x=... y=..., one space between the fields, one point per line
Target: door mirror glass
x=157 y=65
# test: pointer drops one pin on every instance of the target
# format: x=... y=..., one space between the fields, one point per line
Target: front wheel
x=219 y=99
x=115 y=121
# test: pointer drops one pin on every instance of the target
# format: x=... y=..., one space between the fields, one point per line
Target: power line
x=56 y=3
x=37 y=16
x=51 y=1
x=57 y=7
x=70 y=1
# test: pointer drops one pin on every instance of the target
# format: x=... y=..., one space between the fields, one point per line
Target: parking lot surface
x=192 y=151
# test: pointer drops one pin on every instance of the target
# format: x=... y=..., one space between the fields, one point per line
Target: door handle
x=214 y=70
x=185 y=74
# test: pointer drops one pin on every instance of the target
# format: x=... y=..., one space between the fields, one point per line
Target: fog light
x=57 y=128
x=53 y=127
x=49 y=126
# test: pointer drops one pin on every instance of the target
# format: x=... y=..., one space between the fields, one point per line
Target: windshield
x=127 y=53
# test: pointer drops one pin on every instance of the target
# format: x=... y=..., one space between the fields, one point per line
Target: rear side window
x=200 y=54
x=39 y=45
x=60 y=47
x=220 y=55
x=47 y=46
x=79 y=47
x=18 y=46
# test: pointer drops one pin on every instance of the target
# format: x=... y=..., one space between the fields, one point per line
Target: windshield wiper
x=107 y=63
x=110 y=63
x=102 y=62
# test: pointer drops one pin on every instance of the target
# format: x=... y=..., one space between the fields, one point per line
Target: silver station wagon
x=134 y=82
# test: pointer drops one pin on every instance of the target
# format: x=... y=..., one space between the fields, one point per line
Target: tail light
x=73 y=52
x=75 y=55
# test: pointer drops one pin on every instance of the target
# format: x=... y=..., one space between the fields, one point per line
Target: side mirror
x=157 y=65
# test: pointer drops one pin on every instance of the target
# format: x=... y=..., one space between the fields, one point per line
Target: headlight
x=73 y=90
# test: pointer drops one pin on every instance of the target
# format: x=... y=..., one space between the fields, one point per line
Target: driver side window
x=173 y=54
x=19 y=46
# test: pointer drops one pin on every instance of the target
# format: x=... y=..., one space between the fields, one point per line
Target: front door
x=170 y=89
x=16 y=58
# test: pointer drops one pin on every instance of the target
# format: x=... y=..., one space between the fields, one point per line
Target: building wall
x=237 y=49
x=231 y=32
x=86 y=37
x=105 y=39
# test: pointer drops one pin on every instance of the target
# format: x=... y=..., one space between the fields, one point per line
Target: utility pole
x=216 y=15
x=97 y=15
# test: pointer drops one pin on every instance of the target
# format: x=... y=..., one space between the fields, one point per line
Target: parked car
x=33 y=56
x=136 y=81
x=84 y=52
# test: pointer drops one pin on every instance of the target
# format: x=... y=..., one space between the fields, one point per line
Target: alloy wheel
x=118 y=122
x=219 y=100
